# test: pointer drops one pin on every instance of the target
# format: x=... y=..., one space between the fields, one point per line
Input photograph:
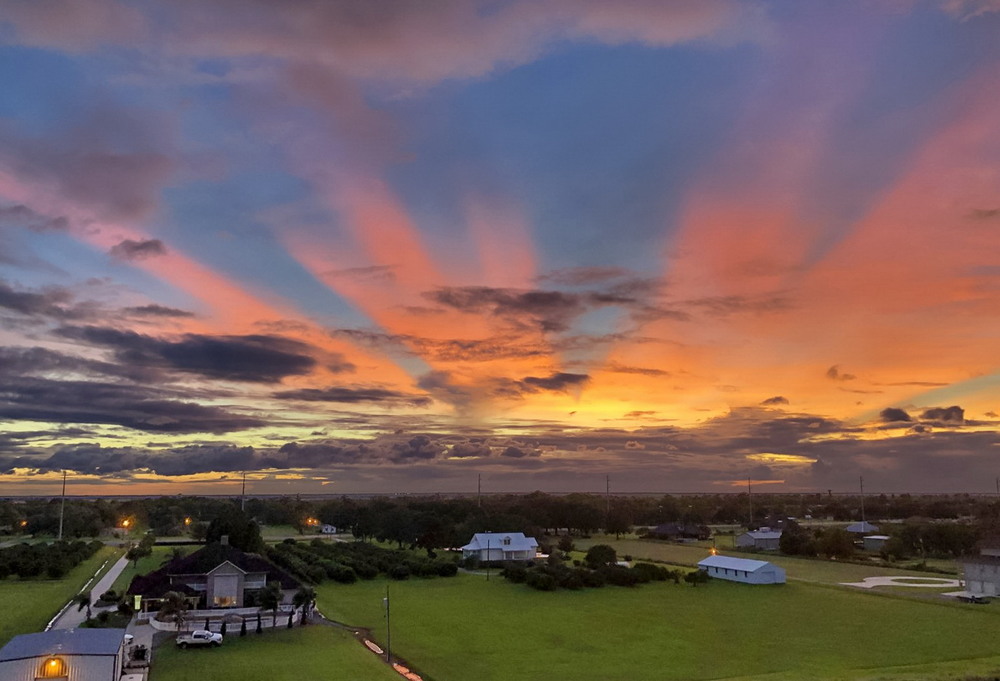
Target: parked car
x=200 y=637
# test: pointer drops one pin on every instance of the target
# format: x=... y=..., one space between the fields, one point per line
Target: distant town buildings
x=764 y=539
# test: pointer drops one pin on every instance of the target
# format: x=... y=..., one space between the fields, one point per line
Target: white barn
x=743 y=570
x=494 y=546
x=764 y=539
x=64 y=654
x=982 y=572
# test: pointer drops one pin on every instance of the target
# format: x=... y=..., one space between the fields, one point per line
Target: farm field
x=805 y=569
x=313 y=652
x=29 y=604
x=466 y=627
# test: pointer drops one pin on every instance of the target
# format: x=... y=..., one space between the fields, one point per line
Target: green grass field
x=463 y=628
x=145 y=565
x=311 y=652
x=805 y=569
x=29 y=604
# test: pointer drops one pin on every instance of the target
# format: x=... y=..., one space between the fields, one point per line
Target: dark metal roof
x=64 y=642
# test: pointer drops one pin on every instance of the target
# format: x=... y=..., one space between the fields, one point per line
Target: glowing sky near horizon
x=393 y=246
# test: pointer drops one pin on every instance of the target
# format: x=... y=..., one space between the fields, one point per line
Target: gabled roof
x=63 y=642
x=731 y=563
x=202 y=562
x=863 y=527
x=495 y=540
x=764 y=534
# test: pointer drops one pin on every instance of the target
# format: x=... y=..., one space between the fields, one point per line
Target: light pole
x=388 y=629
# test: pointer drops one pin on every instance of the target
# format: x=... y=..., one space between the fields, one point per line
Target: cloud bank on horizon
x=387 y=246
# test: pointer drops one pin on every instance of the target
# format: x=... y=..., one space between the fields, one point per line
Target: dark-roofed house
x=743 y=570
x=679 y=531
x=217 y=576
x=64 y=654
x=764 y=539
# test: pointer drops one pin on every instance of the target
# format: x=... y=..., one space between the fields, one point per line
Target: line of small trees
x=599 y=568
x=343 y=562
x=29 y=561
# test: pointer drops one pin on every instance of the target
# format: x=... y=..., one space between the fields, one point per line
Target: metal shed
x=64 y=654
x=743 y=570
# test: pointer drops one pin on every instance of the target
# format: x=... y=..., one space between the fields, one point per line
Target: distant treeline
x=435 y=522
x=53 y=560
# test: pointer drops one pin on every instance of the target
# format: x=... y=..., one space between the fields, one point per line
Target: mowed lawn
x=312 y=652
x=468 y=628
x=27 y=605
x=145 y=565
x=806 y=569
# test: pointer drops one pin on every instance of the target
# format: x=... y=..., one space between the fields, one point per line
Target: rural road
x=70 y=617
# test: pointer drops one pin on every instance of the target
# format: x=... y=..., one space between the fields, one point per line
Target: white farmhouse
x=743 y=570
x=494 y=546
x=64 y=654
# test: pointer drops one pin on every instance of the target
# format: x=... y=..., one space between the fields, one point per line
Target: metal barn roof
x=728 y=562
x=64 y=642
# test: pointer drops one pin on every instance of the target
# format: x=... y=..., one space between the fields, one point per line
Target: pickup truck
x=199 y=638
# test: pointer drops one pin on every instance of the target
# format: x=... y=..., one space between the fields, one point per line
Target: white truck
x=199 y=637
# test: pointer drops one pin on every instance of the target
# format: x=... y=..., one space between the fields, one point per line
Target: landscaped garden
x=311 y=652
x=456 y=629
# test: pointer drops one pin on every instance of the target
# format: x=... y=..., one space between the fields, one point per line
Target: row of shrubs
x=551 y=576
x=346 y=562
x=29 y=561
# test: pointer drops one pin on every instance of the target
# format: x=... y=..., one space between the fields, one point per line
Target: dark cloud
x=548 y=310
x=20 y=215
x=53 y=301
x=777 y=399
x=984 y=213
x=556 y=382
x=894 y=415
x=639 y=414
x=372 y=273
x=94 y=402
x=643 y=371
x=448 y=350
x=834 y=374
x=991 y=414
x=15 y=361
x=518 y=452
x=442 y=388
x=254 y=358
x=953 y=414
x=156 y=311
x=355 y=396
x=467 y=450
x=138 y=250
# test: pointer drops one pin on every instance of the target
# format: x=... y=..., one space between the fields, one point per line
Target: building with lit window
x=64 y=655
x=217 y=576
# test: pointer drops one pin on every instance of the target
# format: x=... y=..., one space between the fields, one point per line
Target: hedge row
x=549 y=577
x=346 y=562
x=54 y=560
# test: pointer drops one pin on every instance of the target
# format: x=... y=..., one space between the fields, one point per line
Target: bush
x=541 y=581
x=447 y=569
x=399 y=572
x=515 y=573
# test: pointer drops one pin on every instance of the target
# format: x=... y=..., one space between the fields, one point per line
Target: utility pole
x=861 y=479
x=479 y=491
x=607 y=501
x=62 y=506
x=750 y=501
x=388 y=629
x=243 y=493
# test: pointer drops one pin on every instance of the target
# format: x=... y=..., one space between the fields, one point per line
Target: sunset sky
x=390 y=246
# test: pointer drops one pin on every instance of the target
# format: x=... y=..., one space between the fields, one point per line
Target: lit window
x=53 y=668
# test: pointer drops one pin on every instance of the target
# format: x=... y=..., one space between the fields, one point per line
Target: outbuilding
x=743 y=570
x=875 y=542
x=64 y=654
x=764 y=539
